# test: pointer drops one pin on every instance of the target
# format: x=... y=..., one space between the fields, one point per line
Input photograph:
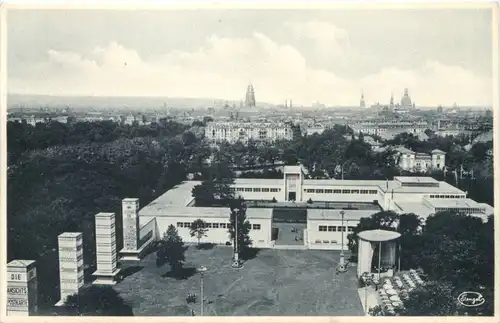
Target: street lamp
x=342 y=240
x=236 y=263
x=202 y=270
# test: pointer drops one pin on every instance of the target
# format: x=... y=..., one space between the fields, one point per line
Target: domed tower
x=250 y=97
x=406 y=101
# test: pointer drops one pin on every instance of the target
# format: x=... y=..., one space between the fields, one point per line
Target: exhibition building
x=295 y=212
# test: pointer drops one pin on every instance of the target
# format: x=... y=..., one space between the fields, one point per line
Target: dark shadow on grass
x=129 y=271
x=205 y=246
x=249 y=253
x=181 y=274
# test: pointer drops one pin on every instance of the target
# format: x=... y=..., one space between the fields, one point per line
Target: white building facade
x=409 y=160
x=217 y=132
x=331 y=208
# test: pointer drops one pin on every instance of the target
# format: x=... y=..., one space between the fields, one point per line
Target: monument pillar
x=22 y=288
x=130 y=219
x=105 y=232
x=70 y=264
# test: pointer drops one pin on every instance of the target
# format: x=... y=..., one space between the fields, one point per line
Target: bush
x=274 y=200
x=309 y=201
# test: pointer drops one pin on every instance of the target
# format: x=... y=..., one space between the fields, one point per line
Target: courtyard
x=274 y=282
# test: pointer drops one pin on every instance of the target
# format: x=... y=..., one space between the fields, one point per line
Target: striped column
x=70 y=264
x=105 y=232
x=22 y=288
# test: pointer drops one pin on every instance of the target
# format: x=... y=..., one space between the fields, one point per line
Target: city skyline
x=330 y=57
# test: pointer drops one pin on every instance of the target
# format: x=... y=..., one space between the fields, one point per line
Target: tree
x=198 y=229
x=385 y=220
x=171 y=249
x=97 y=301
x=238 y=216
x=433 y=299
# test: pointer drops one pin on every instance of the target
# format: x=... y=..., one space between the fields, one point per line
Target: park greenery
x=61 y=175
x=451 y=249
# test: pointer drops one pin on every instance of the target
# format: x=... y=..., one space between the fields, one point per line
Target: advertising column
x=22 y=290
x=130 y=209
x=105 y=233
x=70 y=264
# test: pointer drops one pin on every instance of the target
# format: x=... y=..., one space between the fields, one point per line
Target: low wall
x=147 y=233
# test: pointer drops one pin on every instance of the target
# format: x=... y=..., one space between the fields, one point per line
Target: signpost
x=22 y=294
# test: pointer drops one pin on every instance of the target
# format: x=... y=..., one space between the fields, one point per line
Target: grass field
x=275 y=282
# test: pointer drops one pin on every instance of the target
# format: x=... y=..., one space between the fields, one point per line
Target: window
x=310 y=190
x=232 y=189
x=317 y=241
x=265 y=189
x=257 y=189
x=328 y=191
x=333 y=241
x=274 y=190
x=326 y=241
x=332 y=228
x=373 y=191
x=180 y=224
x=350 y=229
x=187 y=225
x=222 y=225
x=346 y=191
x=319 y=191
x=247 y=189
x=364 y=191
x=229 y=225
x=355 y=192
x=337 y=191
x=256 y=226
x=215 y=225
x=240 y=189
x=322 y=228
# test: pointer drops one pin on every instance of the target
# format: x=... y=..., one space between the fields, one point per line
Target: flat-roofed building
x=310 y=205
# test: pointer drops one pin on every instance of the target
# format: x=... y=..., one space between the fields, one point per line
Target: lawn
x=275 y=282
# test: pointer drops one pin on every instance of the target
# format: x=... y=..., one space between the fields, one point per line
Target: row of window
x=256 y=189
x=325 y=241
x=214 y=225
x=334 y=228
x=468 y=210
x=338 y=191
x=447 y=196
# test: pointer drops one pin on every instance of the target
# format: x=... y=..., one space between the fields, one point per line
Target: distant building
x=409 y=160
x=129 y=119
x=362 y=104
x=217 y=132
x=250 y=97
x=406 y=104
x=388 y=129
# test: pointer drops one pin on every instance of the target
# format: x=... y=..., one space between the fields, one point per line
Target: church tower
x=250 y=97
x=391 y=103
x=362 y=104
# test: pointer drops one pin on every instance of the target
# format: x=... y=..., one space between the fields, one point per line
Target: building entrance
x=292 y=196
x=288 y=226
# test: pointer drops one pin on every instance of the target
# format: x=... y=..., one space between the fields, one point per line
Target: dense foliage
x=171 y=250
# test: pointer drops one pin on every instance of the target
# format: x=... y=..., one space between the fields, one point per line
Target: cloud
x=223 y=66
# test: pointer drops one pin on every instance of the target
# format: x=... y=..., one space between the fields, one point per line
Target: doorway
x=292 y=196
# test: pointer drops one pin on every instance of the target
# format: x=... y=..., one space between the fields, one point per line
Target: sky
x=330 y=56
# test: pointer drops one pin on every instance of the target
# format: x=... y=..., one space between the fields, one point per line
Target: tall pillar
x=130 y=217
x=70 y=264
x=22 y=288
x=105 y=232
